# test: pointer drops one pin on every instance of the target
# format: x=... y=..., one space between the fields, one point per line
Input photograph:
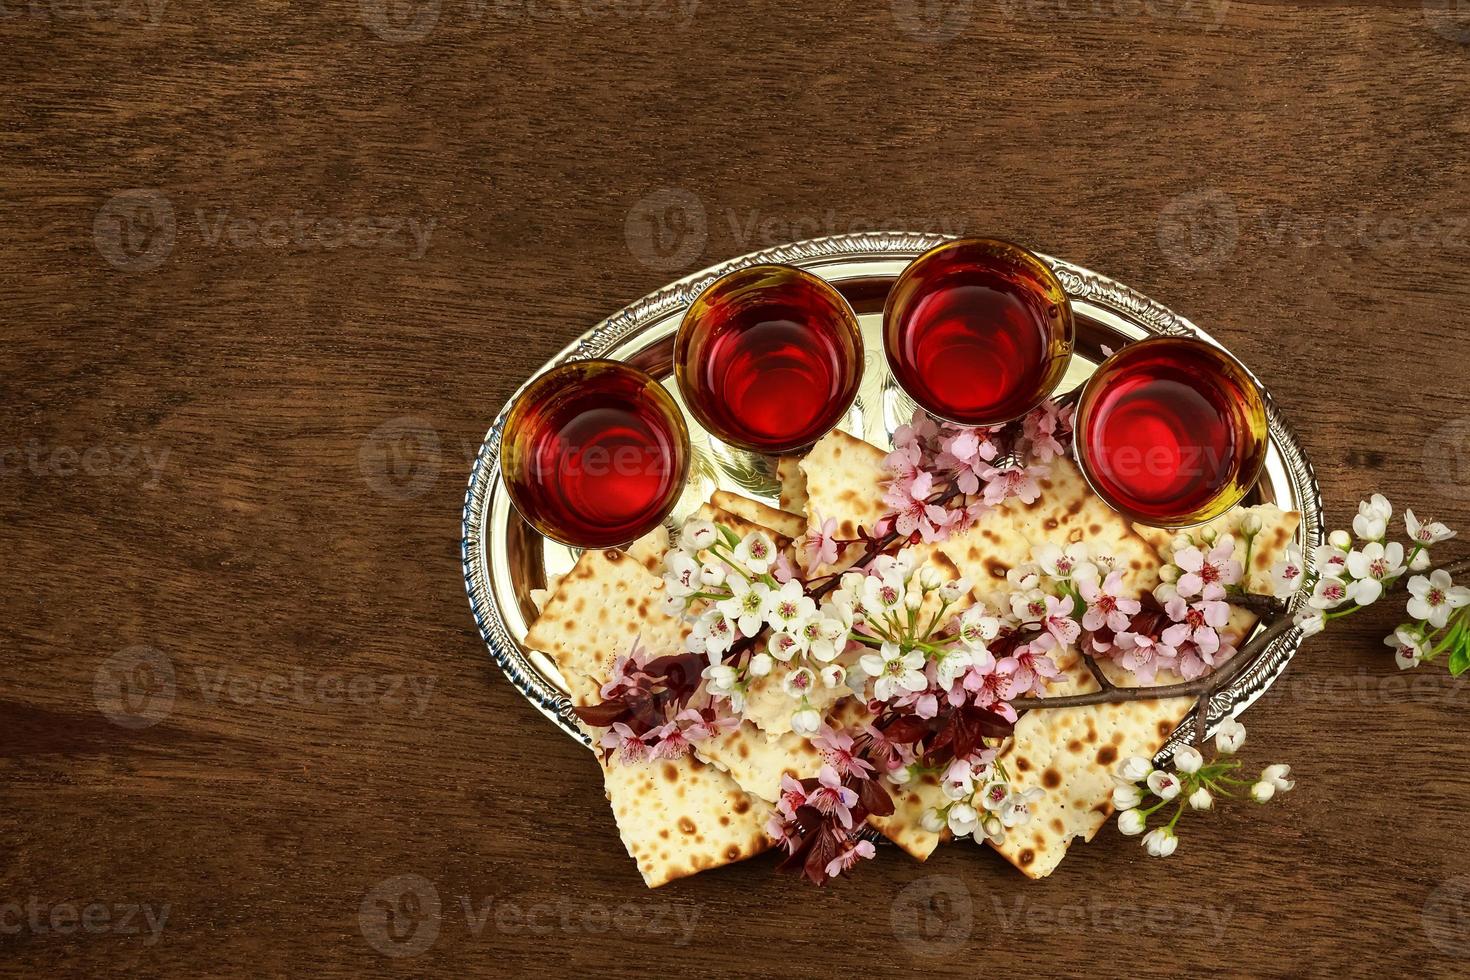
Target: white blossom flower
x=789 y=608
x=1164 y=785
x=697 y=536
x=713 y=573
x=1132 y=822
x=1427 y=532
x=757 y=552
x=1287 y=574
x=724 y=682
x=1074 y=562
x=1229 y=737
x=1016 y=812
x=1371 y=524
x=1201 y=799
x=681 y=577
x=783 y=646
x=1262 y=792
x=1126 y=797
x=1435 y=597
x=1329 y=593
x=713 y=634
x=952 y=664
x=1277 y=775
x=958 y=782
x=1028 y=606
x=1134 y=769
x=806 y=721
x=962 y=819
x=883 y=594
x=746 y=606
x=833 y=675
x=799 y=682
x=978 y=628
x=1310 y=622
x=824 y=636
x=761 y=664
x=1331 y=560
x=1024 y=577
x=952 y=592
x=895 y=670
x=1408 y=646
x=1160 y=842
x=1187 y=759
x=1372 y=566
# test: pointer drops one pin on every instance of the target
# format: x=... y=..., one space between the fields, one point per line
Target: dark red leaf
x=873 y=798
x=603 y=715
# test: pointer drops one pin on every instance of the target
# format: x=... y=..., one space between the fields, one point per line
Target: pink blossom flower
x=852 y=852
x=831 y=798
x=1105 y=606
x=1218 y=569
x=836 y=747
x=882 y=750
x=1059 y=621
x=783 y=570
x=1016 y=481
x=671 y=741
x=966 y=454
x=628 y=746
x=992 y=684
x=818 y=546
x=1195 y=623
x=1143 y=655
x=793 y=796
x=1031 y=666
x=1042 y=427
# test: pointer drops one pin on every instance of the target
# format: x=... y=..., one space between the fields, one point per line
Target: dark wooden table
x=268 y=272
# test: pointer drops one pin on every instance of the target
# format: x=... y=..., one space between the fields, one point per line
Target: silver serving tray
x=504 y=558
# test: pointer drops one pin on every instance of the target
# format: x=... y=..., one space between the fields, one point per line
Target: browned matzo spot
x=686 y=825
x=670 y=773
x=1051 y=779
x=742 y=805
x=1023 y=763
x=1107 y=755
x=1165 y=728
x=1057 y=825
x=724 y=820
x=732 y=853
x=1026 y=857
x=996 y=568
x=1050 y=524
x=614 y=556
x=1075 y=745
x=1117 y=738
x=1076 y=506
x=744 y=750
x=1094 y=529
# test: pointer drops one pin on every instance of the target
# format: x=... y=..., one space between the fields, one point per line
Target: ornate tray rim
x=1081 y=284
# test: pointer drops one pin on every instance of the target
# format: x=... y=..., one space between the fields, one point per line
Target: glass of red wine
x=978 y=331
x=594 y=453
x=1171 y=432
x=769 y=358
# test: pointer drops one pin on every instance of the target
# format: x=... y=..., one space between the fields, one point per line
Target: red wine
x=1171 y=431
x=978 y=331
x=594 y=453
x=769 y=358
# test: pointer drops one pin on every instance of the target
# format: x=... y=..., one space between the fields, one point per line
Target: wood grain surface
x=269 y=269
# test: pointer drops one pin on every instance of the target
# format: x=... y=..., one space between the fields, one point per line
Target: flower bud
x=902 y=776
x=1311 y=622
x=1421 y=561
x=1131 y=822
x=1187 y=759
x=1161 y=842
x=1169 y=573
x=930 y=578
x=932 y=821
x=1126 y=797
x=1135 y=768
x=1251 y=525
x=1181 y=542
x=1276 y=776
x=1340 y=539
x=1201 y=799
x=1208 y=535
x=1262 y=792
x=833 y=675
x=760 y=664
x=807 y=721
